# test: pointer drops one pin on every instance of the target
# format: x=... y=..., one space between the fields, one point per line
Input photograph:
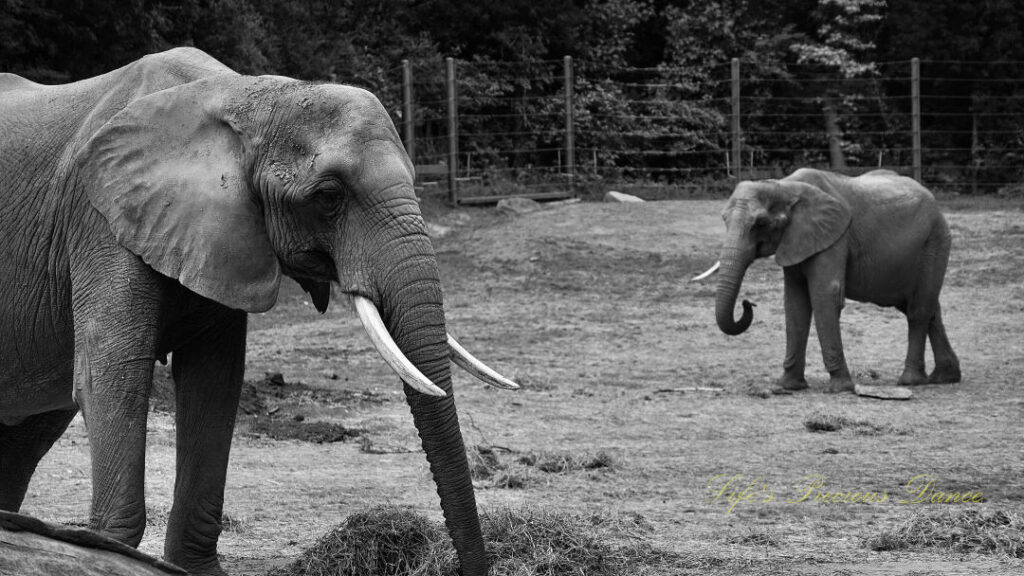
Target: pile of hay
x=392 y=541
x=959 y=530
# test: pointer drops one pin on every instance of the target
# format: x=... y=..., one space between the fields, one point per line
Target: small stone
x=517 y=205
x=613 y=196
x=275 y=378
x=883 y=392
x=437 y=230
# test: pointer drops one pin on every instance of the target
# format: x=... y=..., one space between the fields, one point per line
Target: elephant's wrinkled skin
x=144 y=212
x=876 y=238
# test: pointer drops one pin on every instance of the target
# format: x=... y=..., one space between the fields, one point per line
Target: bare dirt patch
x=590 y=308
x=277 y=409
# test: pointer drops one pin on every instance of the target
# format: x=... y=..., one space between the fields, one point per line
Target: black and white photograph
x=511 y=288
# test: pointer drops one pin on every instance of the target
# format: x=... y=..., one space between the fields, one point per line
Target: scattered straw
x=492 y=467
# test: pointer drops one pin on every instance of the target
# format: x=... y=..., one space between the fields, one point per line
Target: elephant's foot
x=839 y=384
x=945 y=375
x=789 y=382
x=912 y=377
x=196 y=564
x=205 y=569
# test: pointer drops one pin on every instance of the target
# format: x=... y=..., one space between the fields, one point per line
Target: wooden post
x=453 y=131
x=408 y=124
x=915 y=114
x=736 y=150
x=570 y=135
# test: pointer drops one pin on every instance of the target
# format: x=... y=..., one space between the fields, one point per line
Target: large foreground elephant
x=145 y=212
x=876 y=238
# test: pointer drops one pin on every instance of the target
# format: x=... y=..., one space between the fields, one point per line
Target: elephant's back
x=38 y=120
x=13 y=82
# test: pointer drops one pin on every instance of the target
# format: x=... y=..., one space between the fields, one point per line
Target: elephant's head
x=791 y=219
x=227 y=183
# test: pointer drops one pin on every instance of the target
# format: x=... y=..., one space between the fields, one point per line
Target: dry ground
x=589 y=307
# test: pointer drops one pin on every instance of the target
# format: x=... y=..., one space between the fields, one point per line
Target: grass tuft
x=560 y=462
x=489 y=469
x=824 y=420
x=388 y=541
x=961 y=530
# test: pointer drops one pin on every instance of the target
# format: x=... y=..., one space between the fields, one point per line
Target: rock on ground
x=517 y=205
x=613 y=196
x=883 y=392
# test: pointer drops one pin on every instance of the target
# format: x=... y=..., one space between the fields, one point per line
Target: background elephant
x=876 y=238
x=147 y=210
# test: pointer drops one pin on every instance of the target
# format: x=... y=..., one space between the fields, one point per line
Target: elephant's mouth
x=406 y=370
x=315 y=265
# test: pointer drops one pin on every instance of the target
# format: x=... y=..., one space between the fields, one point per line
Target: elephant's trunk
x=411 y=308
x=730 y=276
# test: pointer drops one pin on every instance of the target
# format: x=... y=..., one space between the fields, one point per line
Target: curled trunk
x=730 y=277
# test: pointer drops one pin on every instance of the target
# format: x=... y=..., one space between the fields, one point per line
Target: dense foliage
x=651 y=76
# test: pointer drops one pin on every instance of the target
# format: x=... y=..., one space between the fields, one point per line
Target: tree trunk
x=836 y=157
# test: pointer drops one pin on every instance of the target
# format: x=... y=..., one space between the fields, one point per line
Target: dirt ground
x=588 y=305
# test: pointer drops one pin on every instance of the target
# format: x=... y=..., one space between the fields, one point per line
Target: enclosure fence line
x=494 y=129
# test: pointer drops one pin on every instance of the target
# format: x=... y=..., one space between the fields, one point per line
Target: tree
x=841 y=44
x=978 y=108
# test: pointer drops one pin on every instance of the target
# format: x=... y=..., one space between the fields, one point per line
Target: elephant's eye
x=327 y=200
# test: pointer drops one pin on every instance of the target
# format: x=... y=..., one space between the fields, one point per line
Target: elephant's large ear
x=168 y=174
x=817 y=220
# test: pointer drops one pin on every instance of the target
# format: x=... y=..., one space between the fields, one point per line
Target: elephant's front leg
x=115 y=319
x=208 y=374
x=826 y=275
x=798 y=326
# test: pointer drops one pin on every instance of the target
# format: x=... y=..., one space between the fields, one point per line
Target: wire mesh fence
x=490 y=129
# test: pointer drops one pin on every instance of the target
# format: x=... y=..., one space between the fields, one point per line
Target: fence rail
x=550 y=128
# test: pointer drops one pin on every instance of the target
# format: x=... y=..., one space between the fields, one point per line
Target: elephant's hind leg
x=22 y=446
x=924 y=316
x=917 y=330
x=947 y=365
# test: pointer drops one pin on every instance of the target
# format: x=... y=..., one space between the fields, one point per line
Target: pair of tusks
x=708 y=272
x=409 y=373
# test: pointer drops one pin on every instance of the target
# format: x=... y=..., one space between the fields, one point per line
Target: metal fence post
x=570 y=134
x=915 y=114
x=408 y=123
x=736 y=160
x=453 y=131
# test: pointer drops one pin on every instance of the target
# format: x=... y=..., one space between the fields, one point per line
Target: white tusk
x=382 y=341
x=469 y=363
x=709 y=272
